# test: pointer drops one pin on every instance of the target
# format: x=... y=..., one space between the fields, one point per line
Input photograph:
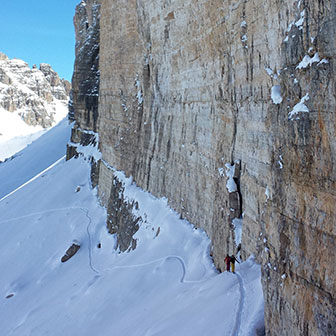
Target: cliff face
x=228 y=110
x=35 y=94
x=85 y=80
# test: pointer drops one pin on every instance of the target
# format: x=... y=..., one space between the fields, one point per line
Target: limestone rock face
x=121 y=219
x=85 y=80
x=34 y=94
x=227 y=109
x=60 y=88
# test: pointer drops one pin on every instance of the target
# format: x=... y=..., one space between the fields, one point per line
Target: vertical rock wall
x=85 y=80
x=227 y=108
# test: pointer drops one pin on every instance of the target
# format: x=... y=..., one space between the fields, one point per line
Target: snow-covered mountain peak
x=31 y=100
x=36 y=95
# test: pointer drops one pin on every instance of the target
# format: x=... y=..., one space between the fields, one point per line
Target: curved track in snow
x=236 y=328
x=91 y=263
x=162 y=260
x=86 y=212
x=89 y=239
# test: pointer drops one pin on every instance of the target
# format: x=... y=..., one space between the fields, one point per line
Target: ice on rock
x=308 y=61
x=231 y=185
x=299 y=107
x=276 y=94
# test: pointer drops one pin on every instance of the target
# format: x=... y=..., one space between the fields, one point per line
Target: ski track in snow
x=89 y=239
x=162 y=260
x=236 y=328
x=91 y=263
x=86 y=211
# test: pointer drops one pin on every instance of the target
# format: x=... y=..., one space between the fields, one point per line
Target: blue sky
x=39 y=31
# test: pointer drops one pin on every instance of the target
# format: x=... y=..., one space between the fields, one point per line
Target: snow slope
x=35 y=158
x=167 y=286
x=15 y=134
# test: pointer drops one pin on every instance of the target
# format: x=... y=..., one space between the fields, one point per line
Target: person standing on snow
x=233 y=260
x=227 y=260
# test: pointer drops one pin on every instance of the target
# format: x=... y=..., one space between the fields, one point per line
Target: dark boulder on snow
x=71 y=251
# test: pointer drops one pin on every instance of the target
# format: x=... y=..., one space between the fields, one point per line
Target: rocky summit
x=35 y=94
x=227 y=109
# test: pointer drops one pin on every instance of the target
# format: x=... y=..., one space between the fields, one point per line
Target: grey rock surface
x=188 y=88
x=70 y=252
x=34 y=94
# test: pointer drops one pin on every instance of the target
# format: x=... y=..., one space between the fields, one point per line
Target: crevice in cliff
x=235 y=204
x=234 y=132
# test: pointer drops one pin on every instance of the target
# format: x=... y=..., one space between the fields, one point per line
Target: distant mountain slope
x=35 y=158
x=30 y=101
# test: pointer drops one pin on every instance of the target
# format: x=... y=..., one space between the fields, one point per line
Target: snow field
x=15 y=134
x=166 y=286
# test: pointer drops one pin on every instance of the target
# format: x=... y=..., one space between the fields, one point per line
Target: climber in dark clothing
x=233 y=260
x=227 y=260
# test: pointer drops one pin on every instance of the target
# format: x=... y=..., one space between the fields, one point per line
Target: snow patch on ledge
x=299 y=107
x=139 y=95
x=323 y=61
x=238 y=226
x=243 y=24
x=90 y=151
x=276 y=94
x=299 y=22
x=231 y=185
x=308 y=61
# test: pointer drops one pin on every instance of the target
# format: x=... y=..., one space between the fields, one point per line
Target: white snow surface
x=42 y=153
x=238 y=227
x=90 y=151
x=299 y=22
x=166 y=286
x=231 y=185
x=15 y=134
x=308 y=61
x=276 y=94
x=299 y=107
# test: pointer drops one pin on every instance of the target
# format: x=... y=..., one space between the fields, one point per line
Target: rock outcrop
x=70 y=252
x=35 y=94
x=227 y=109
